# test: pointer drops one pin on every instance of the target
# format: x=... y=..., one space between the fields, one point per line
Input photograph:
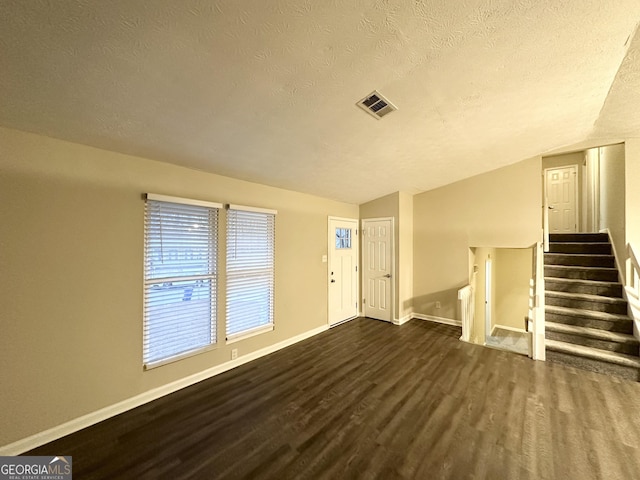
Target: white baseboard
x=92 y=418
x=342 y=322
x=506 y=327
x=402 y=320
x=433 y=318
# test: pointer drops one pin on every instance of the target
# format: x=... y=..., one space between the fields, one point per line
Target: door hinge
x=364 y=301
x=356 y=304
x=356 y=268
x=356 y=231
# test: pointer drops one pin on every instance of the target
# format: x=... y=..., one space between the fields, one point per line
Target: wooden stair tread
x=593 y=237
x=584 y=296
x=595 y=333
x=560 y=254
x=551 y=242
x=598 y=283
x=578 y=312
x=593 y=353
x=583 y=268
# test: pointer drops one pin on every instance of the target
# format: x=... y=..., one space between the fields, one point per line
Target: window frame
x=259 y=329
x=213 y=276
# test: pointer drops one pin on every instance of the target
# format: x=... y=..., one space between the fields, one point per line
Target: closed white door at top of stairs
x=561 y=188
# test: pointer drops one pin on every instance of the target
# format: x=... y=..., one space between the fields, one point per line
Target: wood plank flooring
x=375 y=401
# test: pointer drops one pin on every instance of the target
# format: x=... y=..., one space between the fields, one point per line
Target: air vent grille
x=376 y=105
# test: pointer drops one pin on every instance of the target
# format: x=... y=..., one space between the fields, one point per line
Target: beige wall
x=632 y=209
x=501 y=208
x=71 y=252
x=513 y=273
x=612 y=196
x=632 y=193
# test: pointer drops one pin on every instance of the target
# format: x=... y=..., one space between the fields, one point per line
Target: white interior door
x=561 y=189
x=378 y=271
x=343 y=269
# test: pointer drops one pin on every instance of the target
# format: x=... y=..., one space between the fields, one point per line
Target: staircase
x=587 y=325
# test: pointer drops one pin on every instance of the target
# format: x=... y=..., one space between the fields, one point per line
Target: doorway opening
x=561 y=190
x=504 y=300
x=583 y=190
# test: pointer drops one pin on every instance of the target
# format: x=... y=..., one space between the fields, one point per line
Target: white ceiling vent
x=376 y=105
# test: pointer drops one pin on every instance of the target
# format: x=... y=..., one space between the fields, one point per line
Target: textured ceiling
x=266 y=90
x=620 y=116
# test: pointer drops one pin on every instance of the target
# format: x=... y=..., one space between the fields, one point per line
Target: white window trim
x=184 y=201
x=250 y=333
x=236 y=337
x=191 y=353
x=197 y=351
x=251 y=209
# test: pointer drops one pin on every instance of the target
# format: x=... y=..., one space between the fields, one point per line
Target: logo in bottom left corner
x=36 y=468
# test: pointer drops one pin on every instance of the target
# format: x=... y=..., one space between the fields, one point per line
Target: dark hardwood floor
x=372 y=400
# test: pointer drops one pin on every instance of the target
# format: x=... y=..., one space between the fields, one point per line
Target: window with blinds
x=180 y=278
x=250 y=271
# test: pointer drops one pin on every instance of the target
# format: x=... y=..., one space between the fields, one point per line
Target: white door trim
x=393 y=262
x=356 y=245
x=488 y=293
x=592 y=191
x=575 y=190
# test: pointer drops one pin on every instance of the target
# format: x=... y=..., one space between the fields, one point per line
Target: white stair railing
x=537 y=319
x=467 y=308
x=632 y=287
x=545 y=226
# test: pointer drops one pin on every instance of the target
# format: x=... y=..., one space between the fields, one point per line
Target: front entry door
x=343 y=269
x=378 y=281
x=561 y=189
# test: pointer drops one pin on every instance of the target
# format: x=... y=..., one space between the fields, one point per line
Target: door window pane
x=343 y=238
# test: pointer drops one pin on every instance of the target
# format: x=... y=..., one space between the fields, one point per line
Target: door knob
x=388 y=275
x=333 y=281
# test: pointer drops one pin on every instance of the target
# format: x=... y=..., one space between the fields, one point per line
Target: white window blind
x=250 y=270
x=180 y=278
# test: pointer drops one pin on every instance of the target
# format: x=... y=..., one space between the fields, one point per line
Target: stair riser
x=580 y=260
x=617 y=308
x=597 y=275
x=627 y=348
x=619 y=326
x=581 y=248
x=629 y=373
x=579 y=237
x=602 y=290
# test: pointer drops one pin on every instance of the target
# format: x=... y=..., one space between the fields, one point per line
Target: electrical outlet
x=438 y=305
x=234 y=354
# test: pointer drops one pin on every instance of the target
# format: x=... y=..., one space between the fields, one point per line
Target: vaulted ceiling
x=265 y=90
